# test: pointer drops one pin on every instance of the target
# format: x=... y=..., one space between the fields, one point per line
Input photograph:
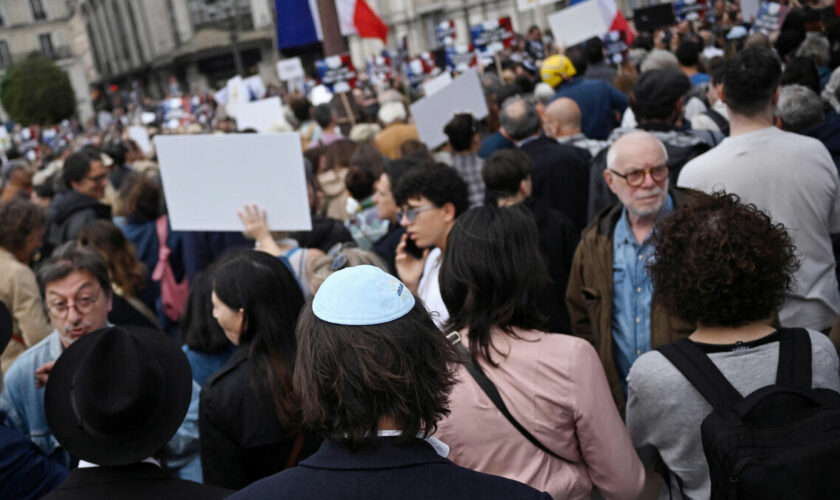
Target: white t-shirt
x=794 y=180
x=429 y=288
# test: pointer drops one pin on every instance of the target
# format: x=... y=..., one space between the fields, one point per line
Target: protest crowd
x=614 y=277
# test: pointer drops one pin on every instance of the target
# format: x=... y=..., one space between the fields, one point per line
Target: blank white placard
x=431 y=114
x=437 y=83
x=579 y=23
x=208 y=178
x=259 y=114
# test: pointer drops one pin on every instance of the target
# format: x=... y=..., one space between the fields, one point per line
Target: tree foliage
x=36 y=91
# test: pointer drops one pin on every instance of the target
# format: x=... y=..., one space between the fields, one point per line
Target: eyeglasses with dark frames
x=636 y=178
x=83 y=303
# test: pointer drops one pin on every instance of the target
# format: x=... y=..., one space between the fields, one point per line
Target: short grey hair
x=799 y=108
x=543 y=93
x=612 y=153
x=816 y=48
x=660 y=59
x=519 y=118
x=391 y=112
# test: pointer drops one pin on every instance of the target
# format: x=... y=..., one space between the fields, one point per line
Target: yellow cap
x=557 y=68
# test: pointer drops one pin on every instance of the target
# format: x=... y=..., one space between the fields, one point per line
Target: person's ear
x=722 y=94
x=525 y=187
x=448 y=211
x=775 y=99
x=609 y=179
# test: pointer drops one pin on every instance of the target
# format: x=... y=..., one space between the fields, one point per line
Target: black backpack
x=780 y=442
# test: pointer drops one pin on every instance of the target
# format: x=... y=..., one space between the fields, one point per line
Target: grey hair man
x=560 y=172
x=800 y=110
x=609 y=292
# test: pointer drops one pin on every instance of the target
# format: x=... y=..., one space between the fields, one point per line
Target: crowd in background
x=605 y=208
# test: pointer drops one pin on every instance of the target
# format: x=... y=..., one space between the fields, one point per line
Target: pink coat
x=555 y=386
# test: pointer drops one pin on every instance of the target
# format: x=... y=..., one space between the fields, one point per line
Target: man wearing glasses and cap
x=76 y=290
x=609 y=293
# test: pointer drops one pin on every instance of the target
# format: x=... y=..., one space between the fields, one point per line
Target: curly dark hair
x=349 y=377
x=438 y=183
x=19 y=218
x=721 y=263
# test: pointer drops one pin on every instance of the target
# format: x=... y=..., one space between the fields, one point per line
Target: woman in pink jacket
x=552 y=384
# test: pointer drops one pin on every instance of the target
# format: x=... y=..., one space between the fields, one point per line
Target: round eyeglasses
x=636 y=178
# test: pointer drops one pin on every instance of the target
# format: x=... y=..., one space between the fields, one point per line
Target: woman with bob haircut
x=249 y=417
x=725 y=267
x=373 y=374
x=553 y=385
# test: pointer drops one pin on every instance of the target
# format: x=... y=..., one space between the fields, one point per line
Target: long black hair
x=492 y=274
x=265 y=289
x=199 y=330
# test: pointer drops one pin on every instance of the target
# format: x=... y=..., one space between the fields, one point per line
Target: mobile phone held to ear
x=412 y=249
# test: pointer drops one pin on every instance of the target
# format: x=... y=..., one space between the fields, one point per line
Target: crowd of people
x=563 y=301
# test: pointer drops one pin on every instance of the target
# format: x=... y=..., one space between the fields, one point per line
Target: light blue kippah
x=362 y=295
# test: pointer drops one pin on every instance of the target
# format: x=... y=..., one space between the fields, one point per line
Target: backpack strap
x=701 y=372
x=794 y=358
x=721 y=121
x=492 y=392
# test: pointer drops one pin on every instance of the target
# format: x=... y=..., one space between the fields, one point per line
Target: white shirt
x=429 y=288
x=793 y=179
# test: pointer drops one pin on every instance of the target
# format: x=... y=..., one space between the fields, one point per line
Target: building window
x=46 y=45
x=5 y=55
x=38 y=11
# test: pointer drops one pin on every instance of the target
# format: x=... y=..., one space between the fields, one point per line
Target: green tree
x=36 y=91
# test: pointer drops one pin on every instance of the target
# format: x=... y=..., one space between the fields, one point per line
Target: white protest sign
x=525 y=5
x=237 y=93
x=431 y=114
x=208 y=178
x=579 y=23
x=255 y=85
x=437 y=83
x=139 y=135
x=290 y=69
x=259 y=114
x=749 y=9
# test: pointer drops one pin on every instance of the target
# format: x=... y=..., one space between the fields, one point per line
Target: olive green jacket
x=589 y=296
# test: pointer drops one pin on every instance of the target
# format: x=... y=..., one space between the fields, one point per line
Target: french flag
x=299 y=23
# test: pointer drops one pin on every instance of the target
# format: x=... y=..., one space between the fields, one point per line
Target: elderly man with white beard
x=609 y=293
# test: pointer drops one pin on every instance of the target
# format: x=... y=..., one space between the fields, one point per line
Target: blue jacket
x=25 y=472
x=389 y=470
x=599 y=103
x=23 y=403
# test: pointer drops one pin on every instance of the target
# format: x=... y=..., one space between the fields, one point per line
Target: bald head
x=562 y=118
x=635 y=144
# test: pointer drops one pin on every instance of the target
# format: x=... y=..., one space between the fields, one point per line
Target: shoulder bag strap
x=295 y=453
x=794 y=358
x=693 y=363
x=493 y=393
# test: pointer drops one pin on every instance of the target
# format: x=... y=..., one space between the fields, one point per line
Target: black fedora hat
x=117 y=395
